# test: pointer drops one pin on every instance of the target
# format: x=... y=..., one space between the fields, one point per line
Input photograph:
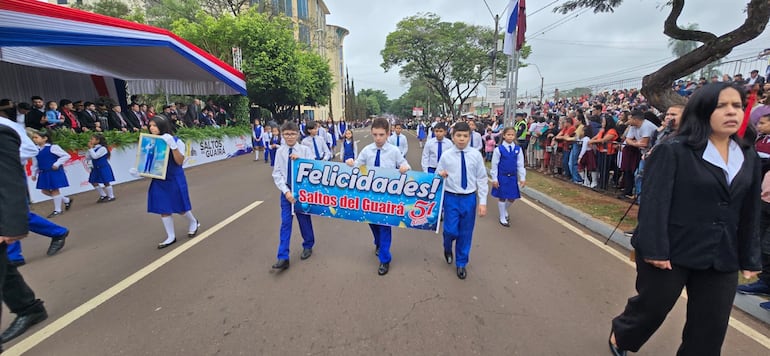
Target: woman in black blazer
x=698 y=226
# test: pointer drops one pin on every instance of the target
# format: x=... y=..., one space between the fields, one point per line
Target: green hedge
x=79 y=141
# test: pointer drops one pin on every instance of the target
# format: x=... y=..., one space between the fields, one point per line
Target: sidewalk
x=746 y=303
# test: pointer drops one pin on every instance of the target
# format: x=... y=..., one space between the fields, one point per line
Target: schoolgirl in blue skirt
x=50 y=170
x=256 y=136
x=422 y=133
x=349 y=146
x=508 y=173
x=170 y=196
x=98 y=156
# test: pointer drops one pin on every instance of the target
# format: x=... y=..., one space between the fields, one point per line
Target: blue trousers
x=382 y=237
x=305 y=229
x=574 y=153
x=459 y=220
x=40 y=226
x=431 y=169
x=271 y=153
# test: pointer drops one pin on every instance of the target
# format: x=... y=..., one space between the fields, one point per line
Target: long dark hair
x=163 y=124
x=102 y=141
x=696 y=117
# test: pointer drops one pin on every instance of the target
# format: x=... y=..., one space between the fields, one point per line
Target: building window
x=287 y=9
x=61 y=2
x=302 y=10
x=304 y=34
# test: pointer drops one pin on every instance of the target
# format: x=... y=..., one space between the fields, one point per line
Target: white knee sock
x=57 y=203
x=256 y=153
x=110 y=193
x=193 y=221
x=503 y=213
x=100 y=190
x=65 y=199
x=507 y=205
x=168 y=224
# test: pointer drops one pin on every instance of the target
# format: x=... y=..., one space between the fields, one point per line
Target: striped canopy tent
x=58 y=52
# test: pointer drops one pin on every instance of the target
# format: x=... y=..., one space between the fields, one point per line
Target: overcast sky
x=589 y=49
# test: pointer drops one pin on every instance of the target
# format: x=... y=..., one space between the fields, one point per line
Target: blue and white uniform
x=372 y=157
x=317 y=145
x=507 y=169
x=399 y=140
x=349 y=150
x=257 y=135
x=51 y=156
x=422 y=132
x=282 y=178
x=432 y=152
x=101 y=171
x=466 y=180
x=170 y=195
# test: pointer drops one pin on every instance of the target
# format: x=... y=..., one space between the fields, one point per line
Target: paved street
x=536 y=288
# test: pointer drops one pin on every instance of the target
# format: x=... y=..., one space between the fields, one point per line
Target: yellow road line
x=56 y=326
x=750 y=332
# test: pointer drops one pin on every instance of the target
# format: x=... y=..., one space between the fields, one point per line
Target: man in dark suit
x=35 y=118
x=87 y=116
x=755 y=78
x=135 y=117
x=14 y=225
x=118 y=121
x=192 y=116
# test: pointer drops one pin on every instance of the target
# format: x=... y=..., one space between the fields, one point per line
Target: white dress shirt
x=520 y=170
x=390 y=156
x=282 y=164
x=476 y=142
x=399 y=140
x=320 y=142
x=734 y=156
x=98 y=151
x=476 y=172
x=430 y=152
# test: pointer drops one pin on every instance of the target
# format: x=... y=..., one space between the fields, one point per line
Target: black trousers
x=14 y=291
x=764 y=237
x=710 y=299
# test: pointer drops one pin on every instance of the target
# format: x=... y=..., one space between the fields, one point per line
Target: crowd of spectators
x=105 y=115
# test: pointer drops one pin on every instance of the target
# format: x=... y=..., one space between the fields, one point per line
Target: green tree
x=418 y=95
x=681 y=47
x=112 y=8
x=163 y=13
x=656 y=86
x=451 y=58
x=279 y=76
x=376 y=101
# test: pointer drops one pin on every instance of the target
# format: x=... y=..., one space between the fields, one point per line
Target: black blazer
x=113 y=119
x=13 y=186
x=690 y=216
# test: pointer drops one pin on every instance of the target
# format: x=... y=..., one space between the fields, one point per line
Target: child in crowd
x=98 y=156
x=381 y=154
x=507 y=167
x=349 y=146
x=465 y=177
x=330 y=142
x=256 y=135
x=316 y=143
x=422 y=133
x=282 y=176
x=434 y=148
x=265 y=137
x=587 y=159
x=477 y=143
x=52 y=115
x=489 y=144
x=50 y=170
x=273 y=144
x=398 y=139
x=763 y=140
x=170 y=196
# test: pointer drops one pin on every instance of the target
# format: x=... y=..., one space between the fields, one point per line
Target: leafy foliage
x=597 y=5
x=112 y=8
x=70 y=141
x=376 y=101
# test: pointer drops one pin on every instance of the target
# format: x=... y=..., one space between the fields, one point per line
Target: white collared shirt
x=734 y=159
x=520 y=170
x=476 y=172
x=399 y=140
x=476 y=141
x=97 y=152
x=282 y=163
x=390 y=156
x=430 y=152
x=320 y=142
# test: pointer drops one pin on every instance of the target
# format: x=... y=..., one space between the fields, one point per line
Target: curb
x=747 y=303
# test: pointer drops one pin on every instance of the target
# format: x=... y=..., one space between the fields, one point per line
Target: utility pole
x=494 y=54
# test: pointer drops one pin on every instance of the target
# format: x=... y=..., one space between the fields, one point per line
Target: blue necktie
x=288 y=164
x=398 y=141
x=377 y=159
x=315 y=146
x=510 y=149
x=438 y=155
x=464 y=175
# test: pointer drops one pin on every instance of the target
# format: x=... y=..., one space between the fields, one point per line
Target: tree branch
x=671 y=29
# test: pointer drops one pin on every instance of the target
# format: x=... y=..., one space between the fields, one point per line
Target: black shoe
x=192 y=234
x=506 y=224
x=164 y=245
x=54 y=214
x=461 y=272
x=109 y=199
x=448 y=257
x=17 y=263
x=281 y=265
x=383 y=270
x=57 y=244
x=102 y=199
x=377 y=251
x=614 y=348
x=67 y=206
x=306 y=253
x=508 y=219
x=21 y=324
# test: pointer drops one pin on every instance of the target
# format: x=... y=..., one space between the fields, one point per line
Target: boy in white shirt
x=398 y=139
x=316 y=142
x=434 y=148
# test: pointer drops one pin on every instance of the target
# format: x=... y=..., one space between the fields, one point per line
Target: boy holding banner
x=381 y=154
x=465 y=177
x=282 y=176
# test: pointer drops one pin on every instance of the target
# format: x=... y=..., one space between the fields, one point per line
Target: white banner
x=122 y=159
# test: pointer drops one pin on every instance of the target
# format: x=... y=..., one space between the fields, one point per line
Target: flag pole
x=510 y=86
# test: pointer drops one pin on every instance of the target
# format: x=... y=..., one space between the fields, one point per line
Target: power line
x=543 y=8
x=557 y=23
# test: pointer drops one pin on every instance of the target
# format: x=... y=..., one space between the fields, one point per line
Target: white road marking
x=67 y=319
x=750 y=332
